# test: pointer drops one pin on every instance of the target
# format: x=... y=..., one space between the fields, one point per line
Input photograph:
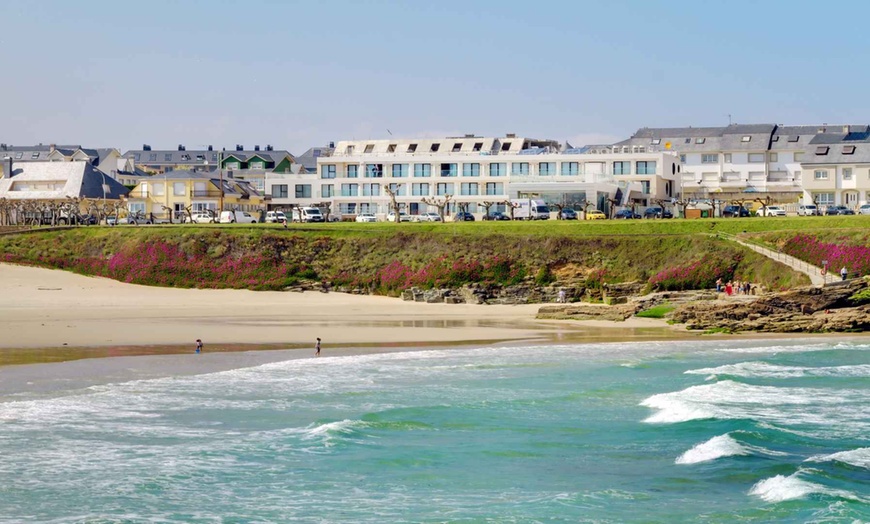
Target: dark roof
x=309 y=158
x=92 y=185
x=192 y=156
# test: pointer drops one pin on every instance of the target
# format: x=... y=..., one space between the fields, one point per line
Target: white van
x=237 y=217
x=311 y=214
x=806 y=210
x=273 y=217
x=528 y=209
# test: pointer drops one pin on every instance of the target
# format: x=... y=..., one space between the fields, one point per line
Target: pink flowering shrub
x=701 y=274
x=808 y=248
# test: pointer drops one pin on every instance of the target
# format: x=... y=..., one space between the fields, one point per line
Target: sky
x=298 y=74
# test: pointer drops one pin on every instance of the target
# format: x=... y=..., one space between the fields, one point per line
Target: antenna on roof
x=729 y=119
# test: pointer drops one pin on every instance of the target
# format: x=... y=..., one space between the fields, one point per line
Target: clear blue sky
x=296 y=74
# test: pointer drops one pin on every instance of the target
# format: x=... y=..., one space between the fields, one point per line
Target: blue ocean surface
x=690 y=431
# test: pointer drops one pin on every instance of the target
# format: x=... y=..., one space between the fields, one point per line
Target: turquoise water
x=712 y=431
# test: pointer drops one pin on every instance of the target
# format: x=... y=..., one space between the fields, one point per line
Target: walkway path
x=815 y=273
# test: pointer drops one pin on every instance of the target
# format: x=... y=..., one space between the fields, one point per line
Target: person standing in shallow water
x=198 y=346
x=317 y=348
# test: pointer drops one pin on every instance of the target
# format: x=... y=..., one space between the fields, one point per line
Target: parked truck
x=530 y=209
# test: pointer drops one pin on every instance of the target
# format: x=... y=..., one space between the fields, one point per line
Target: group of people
x=735 y=287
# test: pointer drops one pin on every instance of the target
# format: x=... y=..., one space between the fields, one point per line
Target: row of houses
x=785 y=164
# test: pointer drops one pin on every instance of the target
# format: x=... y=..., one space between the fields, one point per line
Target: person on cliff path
x=198 y=346
x=844 y=272
x=718 y=285
x=317 y=348
x=561 y=296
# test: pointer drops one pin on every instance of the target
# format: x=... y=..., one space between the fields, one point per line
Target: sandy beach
x=58 y=310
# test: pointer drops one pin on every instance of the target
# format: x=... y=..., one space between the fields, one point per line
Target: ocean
x=688 y=431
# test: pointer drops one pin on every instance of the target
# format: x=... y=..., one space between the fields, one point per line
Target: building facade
x=474 y=170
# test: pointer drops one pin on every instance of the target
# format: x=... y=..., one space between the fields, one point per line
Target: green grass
x=718 y=331
x=657 y=311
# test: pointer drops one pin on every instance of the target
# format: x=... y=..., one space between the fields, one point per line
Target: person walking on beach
x=718 y=285
x=844 y=272
x=317 y=348
x=198 y=346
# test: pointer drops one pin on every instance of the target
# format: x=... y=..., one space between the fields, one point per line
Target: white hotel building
x=474 y=170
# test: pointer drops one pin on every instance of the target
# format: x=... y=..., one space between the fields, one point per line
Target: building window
x=434 y=148
x=258 y=165
x=152 y=157
x=185 y=157
x=506 y=146
x=420 y=189
x=303 y=190
x=412 y=148
x=400 y=170
x=158 y=189
x=391 y=148
x=727 y=158
x=347 y=208
x=847 y=173
x=756 y=158
x=746 y=138
x=709 y=158
x=448 y=170
x=398 y=189
x=470 y=169
x=570 y=168
x=179 y=188
x=798 y=156
x=327 y=190
x=773 y=157
x=700 y=140
x=498 y=169
x=469 y=188
x=353 y=171
x=371 y=190
x=422 y=170
x=622 y=168
x=646 y=168
x=349 y=190
x=232 y=166
x=477 y=146
x=520 y=168
x=374 y=170
x=820 y=174
x=369 y=148
x=457 y=147
x=824 y=199
x=327 y=171
x=546 y=168
x=444 y=189
x=644 y=186
x=494 y=188
x=682 y=159
x=656 y=141
x=279 y=191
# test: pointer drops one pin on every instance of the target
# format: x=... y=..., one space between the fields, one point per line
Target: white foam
x=797 y=347
x=781 y=488
x=716 y=447
x=765 y=370
x=856 y=457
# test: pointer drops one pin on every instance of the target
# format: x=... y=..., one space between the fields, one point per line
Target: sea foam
x=765 y=370
x=716 y=447
x=781 y=488
x=856 y=457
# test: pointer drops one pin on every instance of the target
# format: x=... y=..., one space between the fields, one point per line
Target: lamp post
x=221 y=175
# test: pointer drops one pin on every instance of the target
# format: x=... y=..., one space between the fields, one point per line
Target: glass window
x=347 y=208
x=709 y=158
x=422 y=170
x=371 y=189
x=327 y=190
x=469 y=188
x=352 y=171
x=756 y=158
x=520 y=168
x=498 y=169
x=158 y=188
x=682 y=159
x=327 y=171
x=646 y=168
x=398 y=189
x=847 y=173
x=400 y=170
x=152 y=157
x=303 y=190
x=494 y=188
x=444 y=189
x=727 y=158
x=644 y=186
x=167 y=157
x=798 y=156
x=470 y=169
x=178 y=188
x=774 y=157
x=349 y=190
x=279 y=191
x=420 y=189
x=570 y=168
x=369 y=148
x=622 y=168
x=448 y=170
x=824 y=199
x=546 y=168
x=821 y=174
x=374 y=171
x=232 y=166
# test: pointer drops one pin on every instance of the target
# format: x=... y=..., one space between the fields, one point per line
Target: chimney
x=256 y=148
x=846 y=130
x=7 y=167
x=511 y=135
x=180 y=147
x=52 y=148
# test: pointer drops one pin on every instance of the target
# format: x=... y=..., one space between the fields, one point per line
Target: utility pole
x=221 y=174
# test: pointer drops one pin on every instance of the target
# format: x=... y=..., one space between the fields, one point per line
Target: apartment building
x=836 y=166
x=473 y=170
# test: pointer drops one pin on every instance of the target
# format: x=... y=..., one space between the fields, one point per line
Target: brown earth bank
x=840 y=307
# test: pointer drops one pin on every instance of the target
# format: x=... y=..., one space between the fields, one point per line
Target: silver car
x=864 y=210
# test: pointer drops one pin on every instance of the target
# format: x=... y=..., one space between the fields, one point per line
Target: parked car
x=201 y=217
x=273 y=217
x=770 y=211
x=806 y=210
x=735 y=211
x=463 y=217
x=429 y=216
x=839 y=210
x=237 y=217
x=568 y=214
x=366 y=217
x=864 y=210
x=403 y=217
x=626 y=214
x=495 y=215
x=136 y=219
x=594 y=214
x=111 y=220
x=657 y=212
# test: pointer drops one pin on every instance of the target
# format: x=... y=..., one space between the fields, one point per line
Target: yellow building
x=174 y=193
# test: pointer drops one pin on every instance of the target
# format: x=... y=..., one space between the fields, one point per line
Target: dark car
x=626 y=214
x=463 y=217
x=735 y=211
x=568 y=214
x=496 y=215
x=657 y=212
x=87 y=220
x=839 y=210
